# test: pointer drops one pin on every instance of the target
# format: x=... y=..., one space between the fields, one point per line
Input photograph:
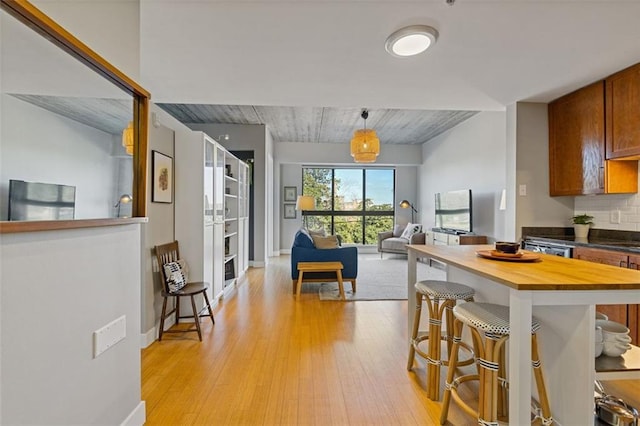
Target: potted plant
x=581 y=224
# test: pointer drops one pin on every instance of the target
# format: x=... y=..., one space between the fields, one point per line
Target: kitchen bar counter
x=561 y=293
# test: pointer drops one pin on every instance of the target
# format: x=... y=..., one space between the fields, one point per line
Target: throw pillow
x=328 y=242
x=173 y=275
x=317 y=232
x=397 y=230
x=184 y=269
x=412 y=228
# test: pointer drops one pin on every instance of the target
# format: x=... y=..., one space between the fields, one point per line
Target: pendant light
x=127 y=138
x=365 y=145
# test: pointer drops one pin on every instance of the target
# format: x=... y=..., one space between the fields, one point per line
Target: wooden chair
x=167 y=253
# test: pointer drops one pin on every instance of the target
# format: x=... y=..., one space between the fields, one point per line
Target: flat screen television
x=41 y=201
x=454 y=210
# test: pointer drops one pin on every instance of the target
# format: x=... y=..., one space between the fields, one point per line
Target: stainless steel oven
x=547 y=247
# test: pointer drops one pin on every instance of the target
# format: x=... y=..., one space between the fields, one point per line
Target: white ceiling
x=330 y=53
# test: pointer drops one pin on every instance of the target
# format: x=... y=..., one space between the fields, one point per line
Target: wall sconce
x=405 y=205
x=503 y=200
x=124 y=199
x=223 y=137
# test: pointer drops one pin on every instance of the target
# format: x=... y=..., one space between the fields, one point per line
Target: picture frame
x=290 y=193
x=289 y=211
x=162 y=178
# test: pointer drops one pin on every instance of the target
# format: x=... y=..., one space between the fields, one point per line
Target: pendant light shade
x=365 y=145
x=127 y=138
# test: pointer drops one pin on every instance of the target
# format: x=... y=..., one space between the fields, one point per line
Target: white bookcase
x=210 y=198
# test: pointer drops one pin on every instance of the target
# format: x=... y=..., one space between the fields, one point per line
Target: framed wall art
x=289 y=211
x=162 y=188
x=290 y=193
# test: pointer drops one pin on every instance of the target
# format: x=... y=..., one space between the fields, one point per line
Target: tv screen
x=41 y=201
x=453 y=210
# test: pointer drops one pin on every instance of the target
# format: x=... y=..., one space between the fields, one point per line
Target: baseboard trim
x=285 y=251
x=137 y=417
x=255 y=264
x=151 y=336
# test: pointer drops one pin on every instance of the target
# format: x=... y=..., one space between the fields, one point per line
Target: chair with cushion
x=396 y=241
x=175 y=284
x=318 y=248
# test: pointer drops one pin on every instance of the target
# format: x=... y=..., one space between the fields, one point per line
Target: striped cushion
x=444 y=290
x=488 y=317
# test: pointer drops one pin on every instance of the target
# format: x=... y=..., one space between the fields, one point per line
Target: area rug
x=379 y=279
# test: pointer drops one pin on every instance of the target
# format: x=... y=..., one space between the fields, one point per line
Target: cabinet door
x=634 y=310
x=577 y=163
x=607 y=257
x=576 y=142
x=618 y=313
x=623 y=110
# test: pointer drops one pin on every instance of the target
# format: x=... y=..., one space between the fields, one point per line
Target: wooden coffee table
x=320 y=267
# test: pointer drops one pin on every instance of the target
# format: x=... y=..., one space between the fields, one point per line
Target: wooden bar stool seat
x=489 y=325
x=433 y=292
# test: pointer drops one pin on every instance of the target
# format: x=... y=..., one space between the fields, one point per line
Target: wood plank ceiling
x=287 y=124
x=324 y=124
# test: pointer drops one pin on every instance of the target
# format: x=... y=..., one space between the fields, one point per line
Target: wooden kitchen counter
x=561 y=293
x=550 y=273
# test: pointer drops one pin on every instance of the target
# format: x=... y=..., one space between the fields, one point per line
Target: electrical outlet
x=109 y=335
x=522 y=190
x=615 y=216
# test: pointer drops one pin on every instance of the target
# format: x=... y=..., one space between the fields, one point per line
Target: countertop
x=626 y=241
x=548 y=273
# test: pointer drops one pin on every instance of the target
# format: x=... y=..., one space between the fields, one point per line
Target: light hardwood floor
x=270 y=360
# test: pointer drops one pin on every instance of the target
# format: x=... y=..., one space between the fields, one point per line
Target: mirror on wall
x=62 y=133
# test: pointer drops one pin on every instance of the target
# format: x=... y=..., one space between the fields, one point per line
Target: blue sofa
x=303 y=250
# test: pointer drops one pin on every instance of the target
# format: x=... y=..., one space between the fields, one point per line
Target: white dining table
x=561 y=293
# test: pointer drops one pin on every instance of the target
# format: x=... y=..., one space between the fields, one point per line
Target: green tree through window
x=357 y=204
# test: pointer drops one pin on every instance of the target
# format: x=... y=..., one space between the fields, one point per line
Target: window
x=353 y=203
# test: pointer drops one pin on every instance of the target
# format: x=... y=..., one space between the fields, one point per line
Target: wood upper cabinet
x=624 y=314
x=577 y=163
x=623 y=114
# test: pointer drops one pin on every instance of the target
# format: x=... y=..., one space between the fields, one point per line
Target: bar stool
x=493 y=321
x=432 y=292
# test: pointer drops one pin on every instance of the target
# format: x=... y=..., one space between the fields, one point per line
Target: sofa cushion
x=316 y=232
x=395 y=244
x=328 y=242
x=397 y=230
x=302 y=239
x=412 y=228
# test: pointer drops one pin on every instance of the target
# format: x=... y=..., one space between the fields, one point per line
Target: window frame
x=363 y=214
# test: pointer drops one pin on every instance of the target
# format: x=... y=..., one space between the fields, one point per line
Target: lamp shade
x=305 y=202
x=127 y=138
x=405 y=204
x=365 y=146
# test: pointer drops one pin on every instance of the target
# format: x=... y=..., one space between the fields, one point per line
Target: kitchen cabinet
x=577 y=164
x=624 y=314
x=622 y=112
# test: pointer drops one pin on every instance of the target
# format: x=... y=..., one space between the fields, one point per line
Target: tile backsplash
x=605 y=208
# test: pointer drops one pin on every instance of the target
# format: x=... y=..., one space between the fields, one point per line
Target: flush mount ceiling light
x=411 y=40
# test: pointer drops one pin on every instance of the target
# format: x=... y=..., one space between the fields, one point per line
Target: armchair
x=394 y=242
x=304 y=250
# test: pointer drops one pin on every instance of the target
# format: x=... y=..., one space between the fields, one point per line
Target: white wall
x=36 y=146
x=245 y=137
x=111 y=28
x=537 y=207
x=84 y=279
x=160 y=228
x=472 y=155
x=338 y=154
